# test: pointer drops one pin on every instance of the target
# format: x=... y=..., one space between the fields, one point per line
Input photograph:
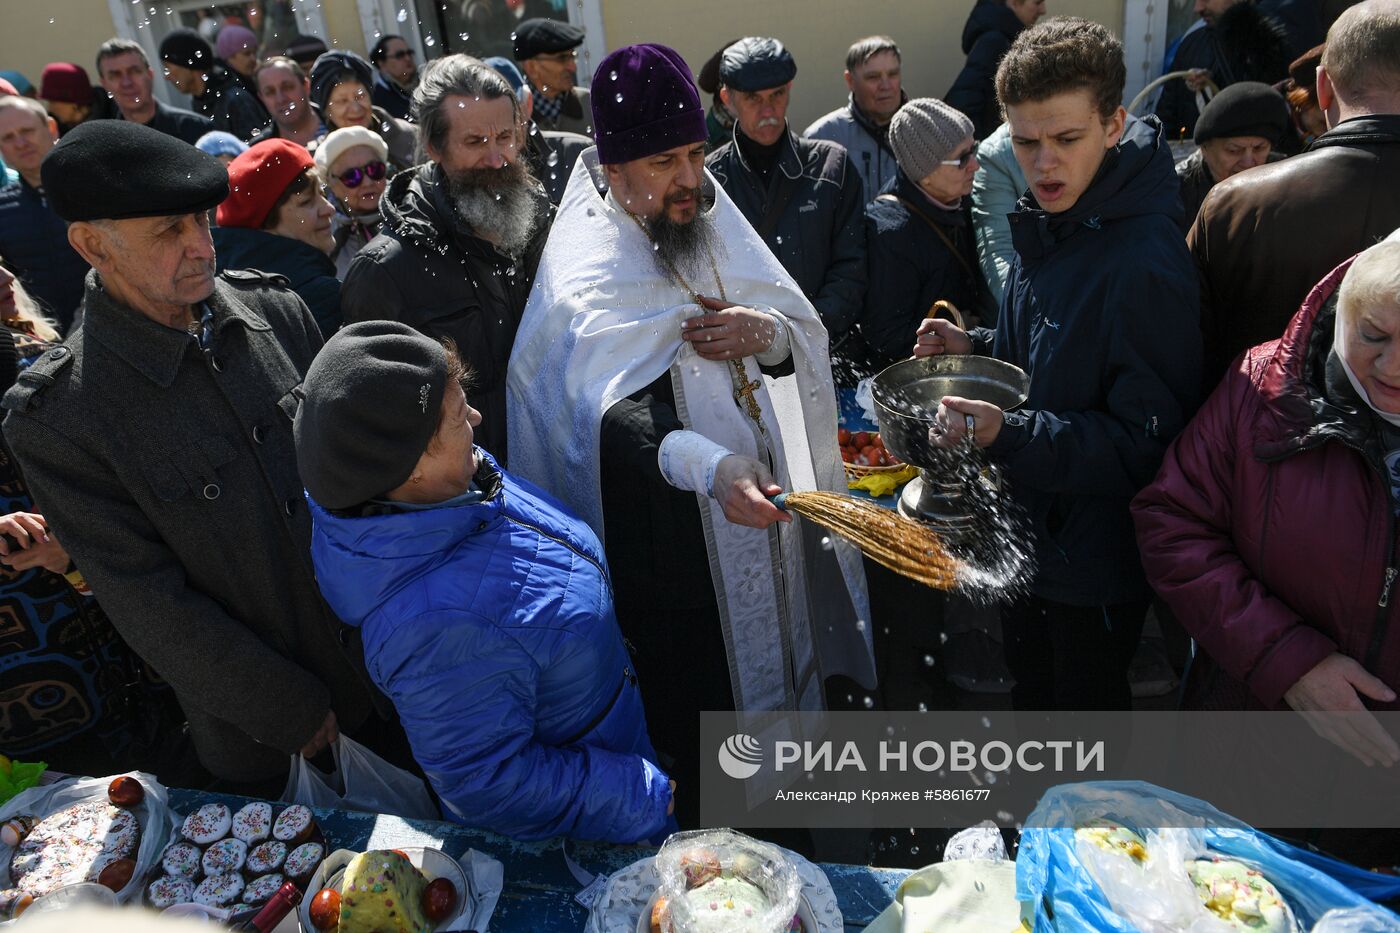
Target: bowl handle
x=941 y=308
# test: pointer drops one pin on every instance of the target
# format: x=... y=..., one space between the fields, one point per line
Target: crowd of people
x=445 y=406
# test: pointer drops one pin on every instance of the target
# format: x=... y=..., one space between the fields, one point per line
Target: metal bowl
x=907 y=395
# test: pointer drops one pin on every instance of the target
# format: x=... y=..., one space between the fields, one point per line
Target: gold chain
x=746 y=388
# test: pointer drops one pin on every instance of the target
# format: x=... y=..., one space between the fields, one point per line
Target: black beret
x=112 y=170
x=187 y=48
x=372 y=399
x=708 y=78
x=330 y=69
x=756 y=64
x=1246 y=108
x=542 y=36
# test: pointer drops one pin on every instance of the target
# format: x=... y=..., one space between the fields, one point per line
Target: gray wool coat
x=169 y=474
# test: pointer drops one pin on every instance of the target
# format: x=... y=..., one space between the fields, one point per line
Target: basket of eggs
x=864 y=454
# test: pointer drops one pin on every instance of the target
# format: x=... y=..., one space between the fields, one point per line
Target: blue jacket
x=1102 y=309
x=34 y=243
x=309 y=272
x=990 y=29
x=491 y=628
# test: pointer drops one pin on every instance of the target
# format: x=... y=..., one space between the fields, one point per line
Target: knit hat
x=371 y=402
x=114 y=169
x=1246 y=108
x=257 y=179
x=233 y=39
x=304 y=50
x=924 y=132
x=217 y=143
x=645 y=102
x=186 y=48
x=347 y=137
x=331 y=69
x=65 y=81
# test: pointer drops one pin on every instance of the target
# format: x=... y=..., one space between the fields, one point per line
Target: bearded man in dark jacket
x=1240 y=42
x=462 y=232
x=990 y=29
x=1101 y=311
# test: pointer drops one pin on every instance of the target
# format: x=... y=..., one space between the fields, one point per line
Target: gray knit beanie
x=924 y=132
x=372 y=399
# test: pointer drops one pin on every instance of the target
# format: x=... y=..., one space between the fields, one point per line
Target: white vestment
x=603 y=322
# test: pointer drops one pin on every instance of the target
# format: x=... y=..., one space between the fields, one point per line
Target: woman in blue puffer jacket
x=485 y=608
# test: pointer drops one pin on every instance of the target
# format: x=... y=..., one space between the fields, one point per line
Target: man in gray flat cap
x=159 y=439
x=799 y=194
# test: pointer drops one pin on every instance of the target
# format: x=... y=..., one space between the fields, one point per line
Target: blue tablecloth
x=539 y=888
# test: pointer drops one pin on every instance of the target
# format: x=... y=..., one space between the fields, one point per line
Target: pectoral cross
x=746 y=391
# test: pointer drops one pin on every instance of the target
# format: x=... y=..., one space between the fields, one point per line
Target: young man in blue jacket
x=1102 y=310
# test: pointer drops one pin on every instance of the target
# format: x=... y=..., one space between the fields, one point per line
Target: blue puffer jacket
x=1102 y=309
x=490 y=626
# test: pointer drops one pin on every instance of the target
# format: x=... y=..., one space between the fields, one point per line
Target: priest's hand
x=729 y=331
x=1329 y=698
x=950 y=425
x=742 y=486
x=935 y=336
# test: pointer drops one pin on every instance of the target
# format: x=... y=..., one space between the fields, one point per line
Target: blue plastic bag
x=1051 y=875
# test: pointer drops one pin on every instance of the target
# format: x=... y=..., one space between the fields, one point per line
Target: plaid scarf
x=547 y=110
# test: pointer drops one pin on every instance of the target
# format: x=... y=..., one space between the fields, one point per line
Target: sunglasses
x=353 y=178
x=961 y=161
x=403 y=53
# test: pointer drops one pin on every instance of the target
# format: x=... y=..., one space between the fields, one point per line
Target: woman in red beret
x=276 y=219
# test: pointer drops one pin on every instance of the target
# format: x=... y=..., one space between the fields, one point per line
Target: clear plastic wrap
x=1056 y=873
x=722 y=861
x=152 y=814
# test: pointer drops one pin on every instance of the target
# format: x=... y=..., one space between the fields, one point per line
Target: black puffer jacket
x=230 y=105
x=425 y=270
x=1245 y=44
x=991 y=27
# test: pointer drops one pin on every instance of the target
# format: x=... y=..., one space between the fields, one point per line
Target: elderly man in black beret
x=799 y=194
x=159 y=438
x=547 y=51
x=1237 y=130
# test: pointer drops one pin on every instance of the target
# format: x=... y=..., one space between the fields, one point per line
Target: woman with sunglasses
x=275 y=219
x=352 y=164
x=919 y=232
x=341 y=92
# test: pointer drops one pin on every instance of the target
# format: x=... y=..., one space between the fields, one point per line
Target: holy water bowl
x=906 y=403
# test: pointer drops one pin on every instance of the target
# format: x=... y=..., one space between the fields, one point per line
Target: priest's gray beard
x=498 y=201
x=687 y=248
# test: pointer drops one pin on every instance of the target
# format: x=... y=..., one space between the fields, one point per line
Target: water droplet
x=430 y=42
x=860 y=625
x=51 y=19
x=612 y=75
x=618 y=98
x=923 y=707
x=869 y=702
x=914 y=850
x=928 y=660
x=403 y=15
x=986 y=723
x=826 y=543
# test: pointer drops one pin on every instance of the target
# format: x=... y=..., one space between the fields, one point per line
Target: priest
x=667 y=377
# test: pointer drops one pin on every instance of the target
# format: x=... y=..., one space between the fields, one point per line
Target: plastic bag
x=361 y=781
x=153 y=814
x=1051 y=872
x=691 y=860
x=1358 y=920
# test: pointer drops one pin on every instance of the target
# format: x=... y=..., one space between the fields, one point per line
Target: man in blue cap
x=800 y=194
x=637 y=394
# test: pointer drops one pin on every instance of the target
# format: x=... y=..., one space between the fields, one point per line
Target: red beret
x=257 y=179
x=65 y=81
